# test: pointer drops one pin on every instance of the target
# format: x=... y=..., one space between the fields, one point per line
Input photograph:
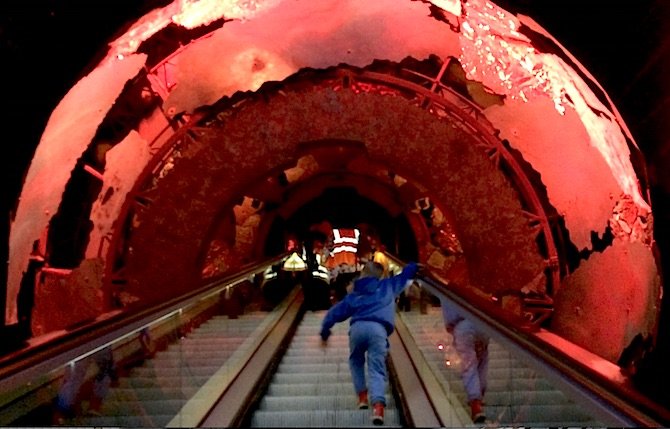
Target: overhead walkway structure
x=267 y=368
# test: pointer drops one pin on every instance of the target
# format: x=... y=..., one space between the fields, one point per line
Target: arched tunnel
x=465 y=136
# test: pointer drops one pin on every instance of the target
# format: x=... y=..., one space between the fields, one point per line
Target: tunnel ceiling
x=218 y=161
x=206 y=122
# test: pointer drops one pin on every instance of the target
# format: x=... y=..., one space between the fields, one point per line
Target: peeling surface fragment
x=451 y=6
x=247 y=220
x=285 y=41
x=630 y=222
x=496 y=53
x=70 y=130
x=578 y=181
x=193 y=13
x=187 y=13
x=306 y=167
x=610 y=298
x=123 y=164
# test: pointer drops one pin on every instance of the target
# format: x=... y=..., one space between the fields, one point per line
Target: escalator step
x=311 y=378
x=327 y=351
x=219 y=337
x=151 y=393
x=173 y=371
x=527 y=397
x=152 y=407
x=494 y=361
x=196 y=354
x=329 y=358
x=136 y=421
x=314 y=368
x=304 y=389
x=555 y=414
x=315 y=341
x=321 y=418
x=170 y=382
x=171 y=360
x=314 y=402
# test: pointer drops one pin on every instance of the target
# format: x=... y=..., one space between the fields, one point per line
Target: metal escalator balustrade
x=195 y=382
x=176 y=386
x=312 y=386
x=152 y=394
x=516 y=396
x=536 y=378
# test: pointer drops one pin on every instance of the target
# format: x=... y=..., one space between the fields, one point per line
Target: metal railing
x=609 y=399
x=28 y=368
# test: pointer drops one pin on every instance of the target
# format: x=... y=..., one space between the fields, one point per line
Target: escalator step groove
x=315 y=402
x=321 y=418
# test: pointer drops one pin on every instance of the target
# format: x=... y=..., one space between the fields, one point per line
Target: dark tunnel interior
x=344 y=208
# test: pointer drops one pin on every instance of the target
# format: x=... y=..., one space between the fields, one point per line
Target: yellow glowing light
x=294 y=263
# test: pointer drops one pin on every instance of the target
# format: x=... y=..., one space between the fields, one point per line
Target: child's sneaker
x=363 y=400
x=477 y=413
x=378 y=414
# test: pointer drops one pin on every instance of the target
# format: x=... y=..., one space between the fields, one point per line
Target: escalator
x=153 y=393
x=157 y=367
x=517 y=395
x=312 y=386
x=268 y=369
x=536 y=379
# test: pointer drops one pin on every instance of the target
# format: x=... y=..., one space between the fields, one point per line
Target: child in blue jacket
x=371 y=307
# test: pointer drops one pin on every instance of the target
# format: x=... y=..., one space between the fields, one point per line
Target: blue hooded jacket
x=372 y=299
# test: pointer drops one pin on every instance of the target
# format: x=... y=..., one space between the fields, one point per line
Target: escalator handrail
x=65 y=346
x=618 y=399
